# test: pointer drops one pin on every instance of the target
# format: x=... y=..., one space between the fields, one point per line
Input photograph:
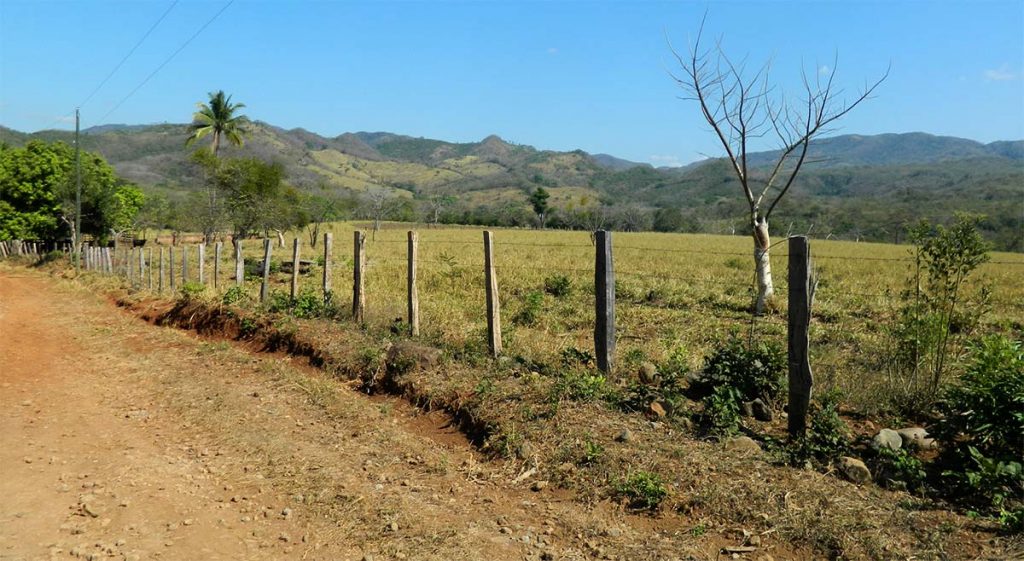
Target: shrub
x=754 y=372
x=983 y=428
x=528 y=314
x=900 y=468
x=827 y=437
x=233 y=295
x=192 y=290
x=558 y=286
x=643 y=490
x=925 y=336
x=722 y=410
x=580 y=385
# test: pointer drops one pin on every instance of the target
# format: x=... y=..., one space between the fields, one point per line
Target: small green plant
x=233 y=295
x=531 y=308
x=592 y=452
x=573 y=357
x=722 y=411
x=247 y=328
x=982 y=424
x=901 y=469
x=827 y=437
x=192 y=290
x=579 y=385
x=754 y=372
x=642 y=490
x=558 y=286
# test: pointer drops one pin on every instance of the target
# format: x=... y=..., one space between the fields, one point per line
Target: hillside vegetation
x=860 y=188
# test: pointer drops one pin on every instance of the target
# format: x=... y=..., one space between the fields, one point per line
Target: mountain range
x=864 y=187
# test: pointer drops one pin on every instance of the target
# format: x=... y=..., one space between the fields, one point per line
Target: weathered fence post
x=160 y=286
x=801 y=295
x=604 y=301
x=414 y=297
x=151 y=269
x=216 y=264
x=295 y=268
x=184 y=264
x=171 y=266
x=359 y=263
x=265 y=287
x=239 y=263
x=202 y=263
x=328 y=242
x=493 y=302
x=129 y=254
x=142 y=265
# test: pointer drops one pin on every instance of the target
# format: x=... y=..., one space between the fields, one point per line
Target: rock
x=524 y=451
x=648 y=374
x=393 y=526
x=747 y=408
x=286 y=513
x=743 y=444
x=657 y=410
x=887 y=438
x=625 y=436
x=92 y=509
x=855 y=470
x=916 y=437
x=405 y=356
x=761 y=411
x=539 y=485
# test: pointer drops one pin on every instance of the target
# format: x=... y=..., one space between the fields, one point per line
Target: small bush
x=192 y=290
x=592 y=452
x=643 y=490
x=827 y=437
x=530 y=312
x=900 y=469
x=558 y=286
x=233 y=295
x=722 y=411
x=580 y=385
x=983 y=429
x=247 y=328
x=754 y=372
x=573 y=357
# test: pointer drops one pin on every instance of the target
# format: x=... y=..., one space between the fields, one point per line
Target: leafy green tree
x=257 y=198
x=539 y=202
x=37 y=193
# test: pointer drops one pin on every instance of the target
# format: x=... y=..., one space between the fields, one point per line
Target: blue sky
x=557 y=75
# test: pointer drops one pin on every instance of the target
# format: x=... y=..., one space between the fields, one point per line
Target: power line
x=130 y=53
x=165 y=62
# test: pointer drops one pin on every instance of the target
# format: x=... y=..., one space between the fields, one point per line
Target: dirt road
x=121 y=440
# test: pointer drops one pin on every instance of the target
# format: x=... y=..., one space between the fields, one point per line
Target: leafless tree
x=742 y=107
x=378 y=205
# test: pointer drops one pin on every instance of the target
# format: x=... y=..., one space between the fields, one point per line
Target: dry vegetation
x=678 y=297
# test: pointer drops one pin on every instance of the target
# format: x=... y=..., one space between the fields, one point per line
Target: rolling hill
x=863 y=187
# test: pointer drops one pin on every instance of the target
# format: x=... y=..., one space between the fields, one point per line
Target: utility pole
x=78 y=198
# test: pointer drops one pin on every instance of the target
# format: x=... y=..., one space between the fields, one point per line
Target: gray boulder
x=648 y=374
x=887 y=438
x=743 y=444
x=854 y=470
x=916 y=438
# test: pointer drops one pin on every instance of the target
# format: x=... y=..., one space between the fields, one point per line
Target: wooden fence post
x=151 y=268
x=142 y=265
x=414 y=297
x=604 y=296
x=239 y=263
x=129 y=254
x=184 y=264
x=295 y=268
x=216 y=264
x=265 y=287
x=202 y=263
x=359 y=263
x=160 y=286
x=801 y=295
x=328 y=242
x=171 y=266
x=493 y=302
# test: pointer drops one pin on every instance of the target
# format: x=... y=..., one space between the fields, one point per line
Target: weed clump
x=642 y=490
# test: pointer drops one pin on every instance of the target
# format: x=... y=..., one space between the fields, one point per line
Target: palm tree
x=217 y=118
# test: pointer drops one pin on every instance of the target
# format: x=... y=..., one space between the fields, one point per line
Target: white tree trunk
x=762 y=265
x=280 y=238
